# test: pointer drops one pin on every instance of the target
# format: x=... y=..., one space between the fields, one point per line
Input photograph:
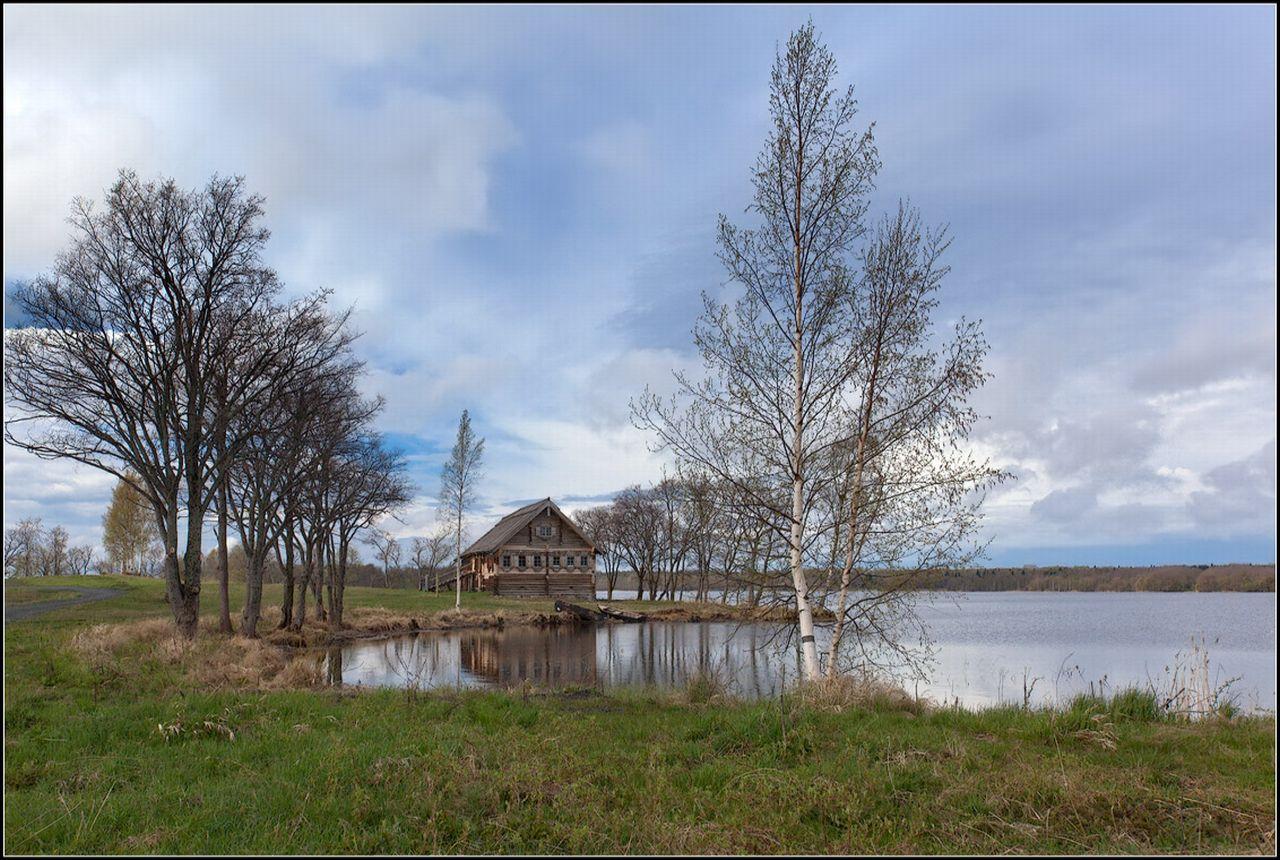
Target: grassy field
x=135 y=758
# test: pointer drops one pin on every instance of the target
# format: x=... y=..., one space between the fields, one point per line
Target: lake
x=984 y=645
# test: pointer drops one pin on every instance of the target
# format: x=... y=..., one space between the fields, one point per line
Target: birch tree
x=128 y=530
x=911 y=487
x=776 y=359
x=458 y=481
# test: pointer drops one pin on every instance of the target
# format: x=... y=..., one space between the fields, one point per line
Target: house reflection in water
x=751 y=659
x=551 y=657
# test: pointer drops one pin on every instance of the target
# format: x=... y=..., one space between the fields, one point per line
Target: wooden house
x=536 y=551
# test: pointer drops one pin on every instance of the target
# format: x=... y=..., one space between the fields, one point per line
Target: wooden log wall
x=577 y=585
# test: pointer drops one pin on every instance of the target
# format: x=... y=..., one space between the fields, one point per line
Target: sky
x=520 y=204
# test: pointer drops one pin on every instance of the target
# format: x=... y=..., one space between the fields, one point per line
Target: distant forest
x=1173 y=577
x=1204 y=577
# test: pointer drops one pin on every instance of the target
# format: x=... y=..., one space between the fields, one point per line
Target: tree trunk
x=184 y=588
x=185 y=609
x=252 y=594
x=286 y=570
x=338 y=588
x=322 y=614
x=458 y=561
x=300 y=604
x=224 y=595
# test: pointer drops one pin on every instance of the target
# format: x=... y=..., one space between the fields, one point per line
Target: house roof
x=512 y=523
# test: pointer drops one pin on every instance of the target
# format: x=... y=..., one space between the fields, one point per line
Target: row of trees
x=682 y=532
x=403 y=570
x=421 y=561
x=162 y=351
x=828 y=413
x=31 y=549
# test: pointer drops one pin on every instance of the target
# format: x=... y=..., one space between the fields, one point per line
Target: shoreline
x=364 y=624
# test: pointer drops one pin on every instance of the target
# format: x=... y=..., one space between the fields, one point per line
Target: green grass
x=88 y=769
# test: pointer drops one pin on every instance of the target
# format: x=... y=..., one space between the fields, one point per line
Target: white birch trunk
x=457 y=573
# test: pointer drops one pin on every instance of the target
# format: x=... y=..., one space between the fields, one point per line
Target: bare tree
x=704 y=514
x=54 y=561
x=672 y=497
x=778 y=358
x=638 y=539
x=458 y=482
x=912 y=491
x=368 y=484
x=80 y=560
x=24 y=547
x=386 y=549
x=428 y=554
x=117 y=369
x=600 y=525
x=329 y=508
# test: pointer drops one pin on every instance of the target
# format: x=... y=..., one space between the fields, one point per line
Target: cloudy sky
x=520 y=203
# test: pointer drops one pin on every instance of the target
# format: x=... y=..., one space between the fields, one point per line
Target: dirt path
x=20 y=611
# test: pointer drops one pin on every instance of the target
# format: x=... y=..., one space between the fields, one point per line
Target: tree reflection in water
x=747 y=657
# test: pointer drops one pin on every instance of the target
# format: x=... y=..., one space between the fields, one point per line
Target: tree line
x=161 y=349
x=31 y=549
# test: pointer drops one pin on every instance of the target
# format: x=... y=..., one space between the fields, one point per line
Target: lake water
x=984 y=645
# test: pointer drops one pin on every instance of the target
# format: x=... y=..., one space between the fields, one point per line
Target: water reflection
x=751 y=659
x=551 y=657
x=988 y=646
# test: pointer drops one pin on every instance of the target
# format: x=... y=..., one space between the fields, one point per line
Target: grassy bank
x=139 y=756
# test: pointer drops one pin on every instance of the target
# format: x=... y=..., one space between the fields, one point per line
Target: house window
x=555 y=561
x=544 y=531
x=521 y=560
x=506 y=561
x=584 y=561
x=537 y=561
x=568 y=561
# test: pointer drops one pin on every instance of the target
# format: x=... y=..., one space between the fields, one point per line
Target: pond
x=985 y=646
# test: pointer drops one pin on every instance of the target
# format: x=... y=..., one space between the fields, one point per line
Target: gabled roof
x=512 y=523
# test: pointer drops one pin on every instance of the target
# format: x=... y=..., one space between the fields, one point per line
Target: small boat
x=621 y=614
x=582 y=613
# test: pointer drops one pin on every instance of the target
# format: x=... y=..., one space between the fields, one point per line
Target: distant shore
x=1162 y=578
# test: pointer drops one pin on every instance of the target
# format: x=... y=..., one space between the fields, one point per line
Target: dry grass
x=848 y=692
x=217 y=661
x=211 y=661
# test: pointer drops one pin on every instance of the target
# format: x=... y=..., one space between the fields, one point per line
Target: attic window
x=544 y=531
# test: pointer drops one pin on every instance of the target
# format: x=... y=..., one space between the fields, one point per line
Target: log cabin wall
x=558 y=560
